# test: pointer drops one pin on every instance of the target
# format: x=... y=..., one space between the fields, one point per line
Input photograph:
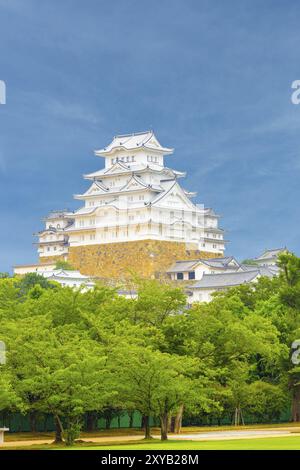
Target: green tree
x=155 y=383
x=58 y=370
x=8 y=397
x=65 y=265
x=31 y=280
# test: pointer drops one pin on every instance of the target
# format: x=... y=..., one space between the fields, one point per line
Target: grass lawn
x=268 y=443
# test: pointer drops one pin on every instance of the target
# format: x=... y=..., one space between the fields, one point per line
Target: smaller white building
x=68 y=278
x=202 y=290
x=65 y=277
x=22 y=269
x=270 y=257
x=194 y=269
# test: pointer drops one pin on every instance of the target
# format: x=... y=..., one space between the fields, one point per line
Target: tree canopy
x=71 y=353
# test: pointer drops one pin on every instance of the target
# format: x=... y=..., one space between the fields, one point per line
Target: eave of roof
x=129 y=142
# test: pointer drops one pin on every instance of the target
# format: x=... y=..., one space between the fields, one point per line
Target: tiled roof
x=66 y=274
x=269 y=254
x=230 y=279
x=133 y=142
x=220 y=262
x=225 y=279
x=183 y=266
x=189 y=265
x=58 y=214
x=131 y=168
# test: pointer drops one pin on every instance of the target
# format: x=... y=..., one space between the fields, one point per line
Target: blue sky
x=212 y=78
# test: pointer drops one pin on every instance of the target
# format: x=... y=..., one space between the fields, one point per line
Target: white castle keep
x=134 y=197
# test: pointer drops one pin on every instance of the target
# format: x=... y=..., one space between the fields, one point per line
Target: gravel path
x=197 y=436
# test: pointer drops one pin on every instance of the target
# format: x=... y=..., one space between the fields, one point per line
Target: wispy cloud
x=72 y=112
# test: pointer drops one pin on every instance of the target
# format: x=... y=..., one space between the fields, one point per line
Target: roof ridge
x=231 y=273
x=132 y=134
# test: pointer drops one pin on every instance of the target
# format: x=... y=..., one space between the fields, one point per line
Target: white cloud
x=72 y=112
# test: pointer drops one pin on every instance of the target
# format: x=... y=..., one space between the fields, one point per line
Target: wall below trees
x=16 y=422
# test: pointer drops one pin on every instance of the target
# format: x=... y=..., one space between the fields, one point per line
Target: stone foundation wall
x=146 y=258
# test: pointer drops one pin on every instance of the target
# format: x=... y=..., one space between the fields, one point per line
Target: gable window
x=180 y=276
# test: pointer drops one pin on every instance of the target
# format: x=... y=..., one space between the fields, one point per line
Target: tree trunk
x=295 y=403
x=164 y=426
x=32 y=421
x=238 y=416
x=108 y=422
x=178 y=420
x=147 y=429
x=131 y=419
x=91 y=421
x=172 y=424
x=58 y=430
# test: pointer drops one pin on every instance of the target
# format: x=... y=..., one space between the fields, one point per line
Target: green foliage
x=33 y=280
x=65 y=265
x=4 y=275
x=8 y=396
x=250 y=261
x=71 y=352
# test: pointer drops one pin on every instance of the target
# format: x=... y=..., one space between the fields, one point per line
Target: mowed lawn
x=267 y=443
